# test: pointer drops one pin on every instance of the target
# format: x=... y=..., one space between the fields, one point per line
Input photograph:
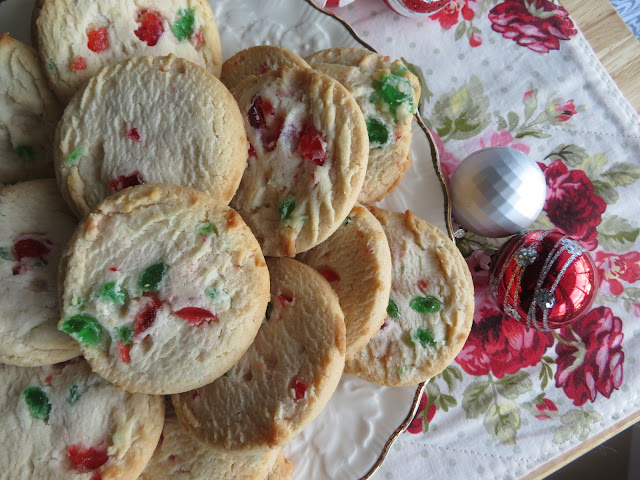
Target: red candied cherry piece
x=299 y=389
x=126 y=181
x=133 y=134
x=124 y=350
x=197 y=40
x=196 y=316
x=96 y=476
x=151 y=27
x=86 y=460
x=147 y=316
x=271 y=135
x=30 y=248
x=423 y=285
x=312 y=145
x=98 y=40
x=252 y=152
x=284 y=300
x=256 y=114
x=267 y=107
x=330 y=276
x=80 y=63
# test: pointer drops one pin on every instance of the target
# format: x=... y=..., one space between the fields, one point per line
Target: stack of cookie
x=139 y=278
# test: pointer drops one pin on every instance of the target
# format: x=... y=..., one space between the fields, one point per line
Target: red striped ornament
x=543 y=279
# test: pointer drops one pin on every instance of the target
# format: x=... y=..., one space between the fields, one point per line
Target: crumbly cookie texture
x=180 y=456
x=35 y=227
x=287 y=376
x=256 y=61
x=388 y=94
x=164 y=289
x=77 y=38
x=356 y=262
x=179 y=126
x=63 y=422
x=281 y=470
x=430 y=309
x=29 y=112
x=307 y=158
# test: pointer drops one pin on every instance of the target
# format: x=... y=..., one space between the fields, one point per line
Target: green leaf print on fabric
x=615 y=232
x=512 y=386
x=575 y=423
x=425 y=93
x=502 y=422
x=463 y=113
x=477 y=398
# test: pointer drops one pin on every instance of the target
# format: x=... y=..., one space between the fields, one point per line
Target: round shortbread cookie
x=388 y=94
x=281 y=470
x=165 y=289
x=29 y=113
x=35 y=227
x=430 y=309
x=179 y=126
x=181 y=456
x=307 y=159
x=63 y=422
x=77 y=38
x=356 y=261
x=256 y=61
x=287 y=376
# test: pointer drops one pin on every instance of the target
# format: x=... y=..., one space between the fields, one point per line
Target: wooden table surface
x=619 y=51
x=614 y=43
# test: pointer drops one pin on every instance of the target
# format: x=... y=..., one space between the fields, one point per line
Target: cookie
x=180 y=456
x=35 y=227
x=179 y=126
x=164 y=289
x=388 y=94
x=287 y=376
x=281 y=470
x=64 y=422
x=77 y=38
x=356 y=261
x=307 y=158
x=430 y=309
x=29 y=112
x=256 y=61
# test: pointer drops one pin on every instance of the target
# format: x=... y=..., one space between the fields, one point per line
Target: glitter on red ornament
x=86 y=460
x=98 y=40
x=543 y=279
x=406 y=7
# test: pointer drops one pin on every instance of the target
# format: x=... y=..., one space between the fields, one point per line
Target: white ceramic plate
x=351 y=437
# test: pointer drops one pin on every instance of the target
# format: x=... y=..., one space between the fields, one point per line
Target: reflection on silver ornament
x=543 y=279
x=497 y=191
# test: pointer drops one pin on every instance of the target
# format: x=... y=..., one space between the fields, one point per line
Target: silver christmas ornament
x=497 y=191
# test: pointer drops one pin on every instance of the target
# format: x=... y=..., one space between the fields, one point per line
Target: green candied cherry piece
x=5 y=254
x=26 y=153
x=396 y=90
x=74 y=394
x=38 y=402
x=426 y=304
x=424 y=336
x=76 y=154
x=286 y=207
x=111 y=291
x=182 y=28
x=392 y=309
x=378 y=133
x=404 y=370
x=152 y=276
x=84 y=328
x=207 y=229
x=125 y=334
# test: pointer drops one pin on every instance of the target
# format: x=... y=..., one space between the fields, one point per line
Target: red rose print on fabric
x=564 y=111
x=571 y=204
x=496 y=344
x=538 y=25
x=450 y=14
x=613 y=267
x=590 y=357
x=545 y=405
x=417 y=424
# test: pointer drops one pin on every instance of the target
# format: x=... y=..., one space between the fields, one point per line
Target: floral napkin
x=519 y=73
